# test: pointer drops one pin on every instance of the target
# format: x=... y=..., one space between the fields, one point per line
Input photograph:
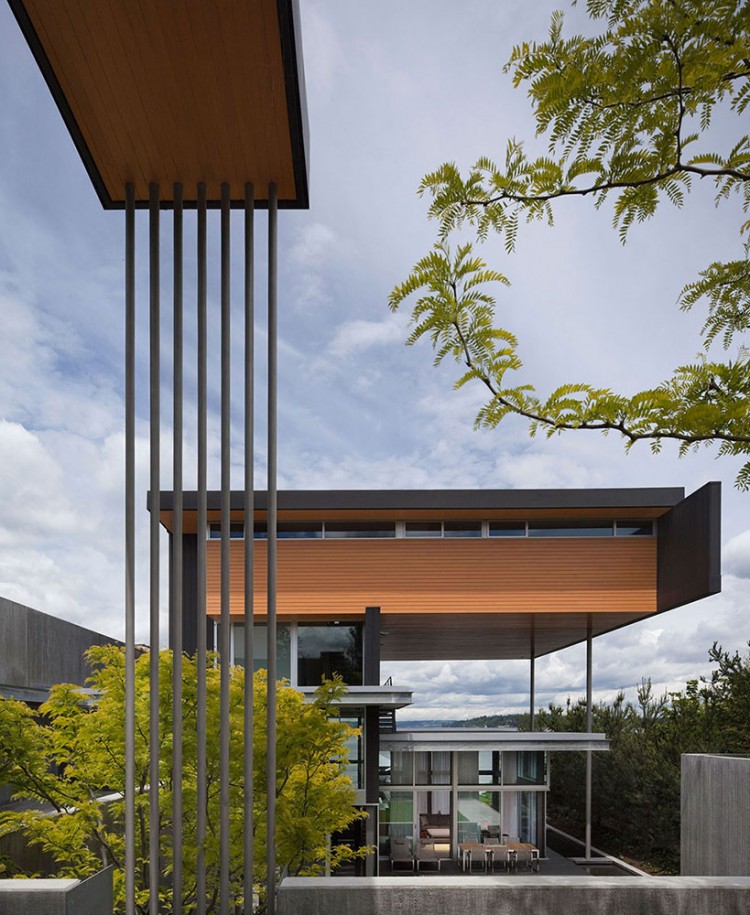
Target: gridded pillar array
x=154 y=877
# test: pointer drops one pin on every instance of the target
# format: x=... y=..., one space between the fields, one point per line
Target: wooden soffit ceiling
x=177 y=91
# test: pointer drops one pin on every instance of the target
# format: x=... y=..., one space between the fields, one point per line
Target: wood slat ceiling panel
x=175 y=91
x=448 y=578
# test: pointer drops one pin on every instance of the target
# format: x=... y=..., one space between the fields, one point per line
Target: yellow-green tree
x=71 y=755
x=628 y=114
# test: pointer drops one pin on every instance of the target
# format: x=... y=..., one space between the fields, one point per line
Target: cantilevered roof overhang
x=177 y=91
x=685 y=565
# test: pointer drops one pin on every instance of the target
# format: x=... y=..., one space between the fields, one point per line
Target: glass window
x=236 y=530
x=396 y=767
x=570 y=529
x=523 y=813
x=260 y=531
x=299 y=530
x=396 y=818
x=479 y=768
x=462 y=529
x=260 y=654
x=478 y=815
x=356 y=764
x=325 y=649
x=524 y=768
x=507 y=529
x=433 y=768
x=423 y=529
x=634 y=528
x=342 y=530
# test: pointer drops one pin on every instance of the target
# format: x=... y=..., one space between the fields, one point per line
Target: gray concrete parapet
x=514 y=895
x=92 y=896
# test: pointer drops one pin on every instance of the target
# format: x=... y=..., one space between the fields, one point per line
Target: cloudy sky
x=394 y=89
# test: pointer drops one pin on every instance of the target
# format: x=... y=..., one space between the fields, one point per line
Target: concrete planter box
x=92 y=896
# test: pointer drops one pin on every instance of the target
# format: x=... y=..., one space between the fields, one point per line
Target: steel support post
x=154 y=485
x=589 y=726
x=249 y=541
x=129 y=549
x=532 y=677
x=176 y=595
x=272 y=519
x=202 y=525
x=224 y=635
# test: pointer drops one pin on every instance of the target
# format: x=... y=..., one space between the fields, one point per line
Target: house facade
x=371 y=576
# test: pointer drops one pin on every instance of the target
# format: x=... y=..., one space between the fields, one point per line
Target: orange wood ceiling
x=175 y=91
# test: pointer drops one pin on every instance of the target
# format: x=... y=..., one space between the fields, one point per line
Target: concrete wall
x=715 y=821
x=515 y=895
x=58 y=897
x=38 y=650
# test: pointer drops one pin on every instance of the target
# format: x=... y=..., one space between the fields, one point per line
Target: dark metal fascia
x=448 y=499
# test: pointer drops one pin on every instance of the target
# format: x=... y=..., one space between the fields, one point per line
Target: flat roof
x=382 y=696
x=168 y=91
x=460 y=739
x=314 y=504
x=439 y=499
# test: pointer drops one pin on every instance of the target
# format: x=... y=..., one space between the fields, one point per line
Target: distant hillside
x=489 y=721
x=483 y=721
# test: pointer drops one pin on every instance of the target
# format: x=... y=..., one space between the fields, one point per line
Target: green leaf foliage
x=70 y=756
x=627 y=113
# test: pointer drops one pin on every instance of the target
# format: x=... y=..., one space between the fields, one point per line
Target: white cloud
x=355 y=337
x=736 y=555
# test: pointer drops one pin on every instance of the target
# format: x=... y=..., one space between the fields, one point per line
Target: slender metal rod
x=224 y=645
x=176 y=595
x=249 y=541
x=202 y=525
x=154 y=373
x=272 y=517
x=589 y=727
x=532 y=677
x=130 y=857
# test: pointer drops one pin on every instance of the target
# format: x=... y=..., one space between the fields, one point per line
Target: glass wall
x=325 y=649
x=479 y=814
x=260 y=655
x=355 y=768
x=396 y=767
x=524 y=768
x=523 y=815
x=433 y=768
x=396 y=818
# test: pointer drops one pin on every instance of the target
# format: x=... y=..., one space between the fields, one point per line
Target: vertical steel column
x=224 y=642
x=249 y=540
x=202 y=525
x=532 y=676
x=589 y=726
x=129 y=549
x=154 y=378
x=177 y=590
x=272 y=518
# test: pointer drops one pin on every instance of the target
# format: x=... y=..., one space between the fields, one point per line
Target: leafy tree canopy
x=628 y=116
x=65 y=761
x=641 y=773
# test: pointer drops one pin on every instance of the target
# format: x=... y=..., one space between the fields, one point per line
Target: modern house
x=365 y=576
